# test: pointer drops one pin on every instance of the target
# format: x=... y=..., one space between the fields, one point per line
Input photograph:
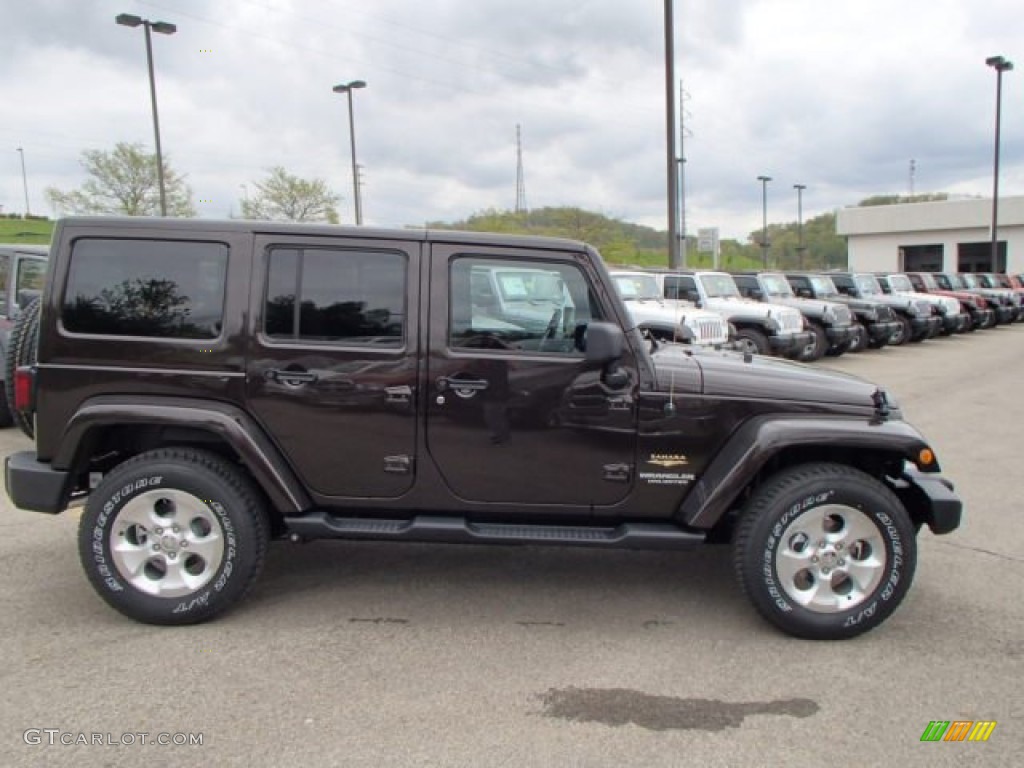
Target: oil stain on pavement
x=620 y=706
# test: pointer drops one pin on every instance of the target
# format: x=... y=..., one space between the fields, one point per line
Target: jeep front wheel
x=173 y=536
x=825 y=551
x=752 y=340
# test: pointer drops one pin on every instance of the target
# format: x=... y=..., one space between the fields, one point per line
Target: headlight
x=829 y=315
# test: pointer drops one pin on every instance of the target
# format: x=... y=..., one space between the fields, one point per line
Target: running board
x=457 y=530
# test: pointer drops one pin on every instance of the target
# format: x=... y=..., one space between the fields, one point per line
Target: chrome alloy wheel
x=167 y=543
x=831 y=559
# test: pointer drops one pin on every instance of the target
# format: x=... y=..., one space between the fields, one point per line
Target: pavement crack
x=981 y=550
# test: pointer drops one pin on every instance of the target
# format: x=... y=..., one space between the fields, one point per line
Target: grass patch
x=22 y=232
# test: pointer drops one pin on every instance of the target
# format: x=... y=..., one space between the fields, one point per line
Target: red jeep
x=977 y=307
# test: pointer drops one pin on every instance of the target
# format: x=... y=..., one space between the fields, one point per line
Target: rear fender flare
x=232 y=425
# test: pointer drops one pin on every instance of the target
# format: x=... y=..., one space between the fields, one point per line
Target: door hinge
x=399 y=465
x=618 y=473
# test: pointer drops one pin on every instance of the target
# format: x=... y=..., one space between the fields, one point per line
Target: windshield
x=777 y=285
x=987 y=281
x=868 y=285
x=533 y=286
x=969 y=281
x=929 y=281
x=718 y=286
x=637 y=287
x=901 y=283
x=823 y=286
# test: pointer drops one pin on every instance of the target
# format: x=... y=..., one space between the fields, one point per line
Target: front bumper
x=930 y=499
x=790 y=345
x=925 y=327
x=1005 y=314
x=883 y=331
x=838 y=334
x=954 y=323
x=983 y=318
x=34 y=485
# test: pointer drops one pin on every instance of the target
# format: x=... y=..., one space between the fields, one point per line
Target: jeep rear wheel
x=173 y=536
x=825 y=551
x=21 y=350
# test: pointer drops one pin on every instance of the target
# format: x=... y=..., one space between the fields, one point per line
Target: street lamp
x=347 y=89
x=24 y=181
x=1000 y=65
x=163 y=28
x=764 y=219
x=800 y=224
x=672 y=172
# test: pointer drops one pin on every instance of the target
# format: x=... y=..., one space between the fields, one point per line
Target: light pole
x=764 y=219
x=24 y=181
x=163 y=28
x=674 y=256
x=800 y=248
x=1000 y=65
x=347 y=89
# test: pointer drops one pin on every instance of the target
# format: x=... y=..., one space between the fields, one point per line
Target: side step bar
x=458 y=530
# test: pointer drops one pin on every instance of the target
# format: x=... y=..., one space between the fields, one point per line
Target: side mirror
x=603 y=342
x=692 y=296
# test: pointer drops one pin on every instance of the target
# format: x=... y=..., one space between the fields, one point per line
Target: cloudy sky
x=837 y=95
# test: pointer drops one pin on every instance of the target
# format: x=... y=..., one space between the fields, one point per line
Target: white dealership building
x=944 y=236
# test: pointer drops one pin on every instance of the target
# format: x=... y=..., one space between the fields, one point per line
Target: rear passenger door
x=332 y=368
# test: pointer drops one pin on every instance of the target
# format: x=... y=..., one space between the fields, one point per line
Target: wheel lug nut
x=158 y=531
x=839 y=545
x=156 y=547
x=175 y=528
x=814 y=559
x=822 y=543
x=842 y=562
x=171 y=555
x=184 y=543
x=823 y=570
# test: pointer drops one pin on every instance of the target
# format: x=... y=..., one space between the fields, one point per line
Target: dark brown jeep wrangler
x=205 y=387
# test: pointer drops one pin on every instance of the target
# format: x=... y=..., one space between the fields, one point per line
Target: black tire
x=21 y=350
x=752 y=340
x=818 y=346
x=860 y=339
x=6 y=417
x=200 y=495
x=905 y=333
x=787 y=514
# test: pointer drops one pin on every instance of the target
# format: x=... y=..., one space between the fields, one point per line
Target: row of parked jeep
x=805 y=316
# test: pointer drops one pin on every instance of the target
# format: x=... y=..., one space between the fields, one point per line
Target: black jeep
x=205 y=387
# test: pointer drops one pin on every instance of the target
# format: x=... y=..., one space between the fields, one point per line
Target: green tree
x=282 y=196
x=124 y=182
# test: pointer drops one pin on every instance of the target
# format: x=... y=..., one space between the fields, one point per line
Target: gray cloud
x=839 y=96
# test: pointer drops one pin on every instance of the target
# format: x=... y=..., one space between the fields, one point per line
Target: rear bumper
x=34 y=485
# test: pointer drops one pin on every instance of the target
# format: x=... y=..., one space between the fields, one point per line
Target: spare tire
x=22 y=351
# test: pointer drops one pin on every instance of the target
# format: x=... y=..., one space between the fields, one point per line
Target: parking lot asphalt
x=369 y=654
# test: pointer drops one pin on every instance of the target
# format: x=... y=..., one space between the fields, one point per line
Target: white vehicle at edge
x=760 y=328
x=669 y=319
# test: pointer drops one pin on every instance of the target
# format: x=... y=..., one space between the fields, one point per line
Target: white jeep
x=669 y=319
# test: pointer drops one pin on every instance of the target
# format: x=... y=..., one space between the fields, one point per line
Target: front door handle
x=451 y=382
x=291 y=378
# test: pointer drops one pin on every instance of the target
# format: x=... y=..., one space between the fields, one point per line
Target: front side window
x=526 y=306
x=677 y=286
x=147 y=288
x=336 y=296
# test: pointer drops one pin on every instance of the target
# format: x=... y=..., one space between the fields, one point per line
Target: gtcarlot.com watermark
x=55 y=737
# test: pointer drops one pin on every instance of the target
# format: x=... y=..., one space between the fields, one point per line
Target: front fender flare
x=758 y=440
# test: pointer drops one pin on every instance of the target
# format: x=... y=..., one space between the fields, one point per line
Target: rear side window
x=148 y=288
x=334 y=295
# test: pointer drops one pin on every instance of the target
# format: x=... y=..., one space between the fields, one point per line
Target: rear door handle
x=292 y=378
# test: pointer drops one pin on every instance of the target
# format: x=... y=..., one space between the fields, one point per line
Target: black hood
x=731 y=374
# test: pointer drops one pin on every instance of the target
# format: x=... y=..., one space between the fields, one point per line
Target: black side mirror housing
x=604 y=342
